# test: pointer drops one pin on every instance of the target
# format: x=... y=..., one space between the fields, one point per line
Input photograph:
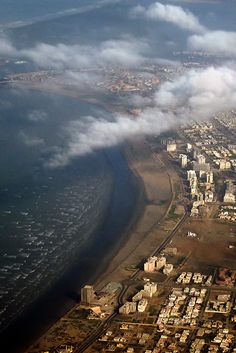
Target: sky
x=197 y=94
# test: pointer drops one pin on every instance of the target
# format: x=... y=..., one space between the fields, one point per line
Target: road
x=120 y=300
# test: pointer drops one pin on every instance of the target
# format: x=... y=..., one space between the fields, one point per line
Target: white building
x=209 y=196
x=142 y=305
x=127 y=308
x=224 y=164
x=160 y=262
x=150 y=264
x=230 y=192
x=150 y=288
x=200 y=159
x=189 y=147
x=168 y=269
x=138 y=296
x=171 y=146
x=210 y=177
x=191 y=174
x=183 y=159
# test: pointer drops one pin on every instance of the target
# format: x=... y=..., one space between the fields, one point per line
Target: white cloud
x=29 y=140
x=37 y=115
x=172 y=14
x=195 y=95
x=216 y=42
x=6 y=48
x=126 y=51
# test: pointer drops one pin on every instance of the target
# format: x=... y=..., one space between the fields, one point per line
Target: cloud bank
x=126 y=51
x=170 y=13
x=195 y=95
x=216 y=42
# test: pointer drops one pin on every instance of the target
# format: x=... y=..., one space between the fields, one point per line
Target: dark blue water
x=46 y=215
x=53 y=221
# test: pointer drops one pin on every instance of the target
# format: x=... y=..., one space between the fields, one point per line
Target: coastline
x=143 y=236
x=66 y=298
x=139 y=236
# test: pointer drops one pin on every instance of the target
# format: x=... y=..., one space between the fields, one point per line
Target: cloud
x=6 y=48
x=37 y=116
x=30 y=141
x=198 y=94
x=125 y=51
x=170 y=13
x=216 y=42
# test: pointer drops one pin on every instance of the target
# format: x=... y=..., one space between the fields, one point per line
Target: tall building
x=150 y=288
x=224 y=164
x=201 y=159
x=87 y=294
x=209 y=177
x=183 y=160
x=171 y=146
x=229 y=192
x=191 y=174
x=127 y=308
x=160 y=262
x=189 y=147
x=150 y=264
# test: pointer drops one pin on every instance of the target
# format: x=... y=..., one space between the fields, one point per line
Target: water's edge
x=59 y=299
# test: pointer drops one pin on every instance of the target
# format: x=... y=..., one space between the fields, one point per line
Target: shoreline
x=148 y=213
x=68 y=302
x=142 y=237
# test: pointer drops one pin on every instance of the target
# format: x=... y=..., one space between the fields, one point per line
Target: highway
x=120 y=300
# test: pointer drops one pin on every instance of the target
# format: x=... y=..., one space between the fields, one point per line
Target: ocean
x=53 y=221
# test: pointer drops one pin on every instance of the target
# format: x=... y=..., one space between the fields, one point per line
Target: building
x=183 y=159
x=200 y=159
x=142 y=305
x=87 y=294
x=171 y=146
x=154 y=263
x=150 y=264
x=189 y=148
x=138 y=296
x=229 y=192
x=168 y=269
x=210 y=177
x=209 y=196
x=224 y=164
x=150 y=288
x=160 y=262
x=127 y=308
x=191 y=174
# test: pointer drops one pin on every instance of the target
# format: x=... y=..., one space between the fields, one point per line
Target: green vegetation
x=172 y=214
x=153 y=310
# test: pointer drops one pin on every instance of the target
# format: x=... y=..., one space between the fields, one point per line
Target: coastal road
x=120 y=300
